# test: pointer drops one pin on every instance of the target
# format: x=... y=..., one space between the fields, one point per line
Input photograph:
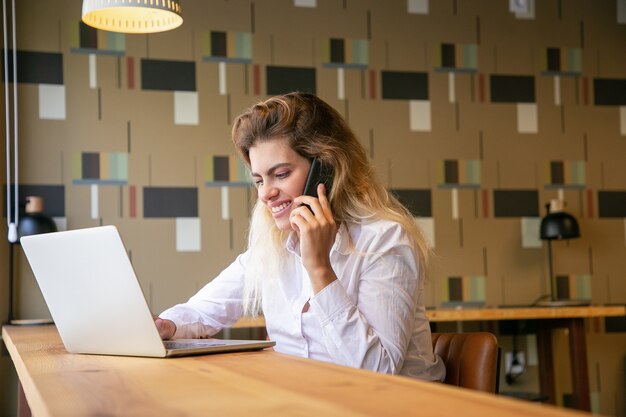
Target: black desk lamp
x=557 y=225
x=33 y=222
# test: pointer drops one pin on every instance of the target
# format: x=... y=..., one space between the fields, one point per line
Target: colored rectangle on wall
x=621 y=11
x=455 y=289
x=188 y=236
x=104 y=168
x=530 y=232
x=609 y=92
x=565 y=174
x=557 y=175
x=448 y=55
x=282 y=80
x=420 y=118
x=88 y=36
x=37 y=67
x=51 y=101
x=450 y=171
x=612 y=204
x=87 y=40
x=553 y=56
x=516 y=203
x=464 y=289
x=456 y=57
x=512 y=88
x=337 y=51
x=459 y=173
x=476 y=288
x=527 y=118
x=234 y=47
x=581 y=286
x=218 y=44
x=186 y=108
x=113 y=42
x=359 y=52
x=305 y=3
x=53 y=198
x=399 y=85
x=427 y=227
x=230 y=169
x=562 y=287
x=417 y=6
x=563 y=61
x=220 y=168
x=417 y=201
x=90 y=166
x=117 y=164
x=170 y=202
x=168 y=75
x=348 y=53
x=573 y=287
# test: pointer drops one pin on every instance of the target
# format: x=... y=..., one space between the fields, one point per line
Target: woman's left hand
x=317 y=230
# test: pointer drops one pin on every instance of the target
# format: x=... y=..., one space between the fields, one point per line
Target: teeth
x=281 y=207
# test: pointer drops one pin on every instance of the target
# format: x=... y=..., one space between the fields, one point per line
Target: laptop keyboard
x=188 y=344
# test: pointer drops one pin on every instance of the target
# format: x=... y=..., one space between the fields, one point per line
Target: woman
x=339 y=278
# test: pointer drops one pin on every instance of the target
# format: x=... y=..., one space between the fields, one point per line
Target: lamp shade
x=559 y=225
x=132 y=16
x=34 y=222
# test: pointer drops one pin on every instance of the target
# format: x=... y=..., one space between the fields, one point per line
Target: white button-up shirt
x=371 y=317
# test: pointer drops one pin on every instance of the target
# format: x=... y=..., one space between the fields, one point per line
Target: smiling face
x=279 y=174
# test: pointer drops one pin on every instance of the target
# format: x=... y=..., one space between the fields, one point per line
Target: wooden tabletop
x=263 y=383
x=517 y=313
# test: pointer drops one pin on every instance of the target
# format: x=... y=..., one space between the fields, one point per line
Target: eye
x=258 y=182
x=282 y=175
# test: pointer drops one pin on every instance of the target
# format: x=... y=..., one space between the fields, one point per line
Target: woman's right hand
x=166 y=328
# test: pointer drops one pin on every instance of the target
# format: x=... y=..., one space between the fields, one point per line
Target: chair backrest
x=471 y=359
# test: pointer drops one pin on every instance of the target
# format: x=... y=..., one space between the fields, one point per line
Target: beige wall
x=165 y=154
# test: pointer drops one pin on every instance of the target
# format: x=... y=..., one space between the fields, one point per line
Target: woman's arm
x=217 y=305
x=373 y=333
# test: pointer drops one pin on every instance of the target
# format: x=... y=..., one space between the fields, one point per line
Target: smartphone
x=319 y=173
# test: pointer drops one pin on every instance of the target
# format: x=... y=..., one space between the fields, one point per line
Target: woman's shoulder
x=377 y=226
x=378 y=230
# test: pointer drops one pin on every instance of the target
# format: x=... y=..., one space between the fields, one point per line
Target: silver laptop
x=96 y=302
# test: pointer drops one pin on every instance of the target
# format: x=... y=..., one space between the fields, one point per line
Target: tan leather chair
x=471 y=359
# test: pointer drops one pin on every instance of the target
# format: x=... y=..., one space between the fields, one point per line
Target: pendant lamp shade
x=132 y=16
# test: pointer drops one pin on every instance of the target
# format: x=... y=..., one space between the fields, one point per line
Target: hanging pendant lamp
x=132 y=16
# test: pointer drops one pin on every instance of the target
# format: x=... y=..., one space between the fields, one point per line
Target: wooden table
x=548 y=319
x=264 y=383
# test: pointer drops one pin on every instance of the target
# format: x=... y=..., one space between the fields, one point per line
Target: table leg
x=23 y=409
x=578 y=364
x=546 y=366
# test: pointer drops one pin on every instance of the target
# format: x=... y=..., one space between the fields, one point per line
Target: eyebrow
x=272 y=169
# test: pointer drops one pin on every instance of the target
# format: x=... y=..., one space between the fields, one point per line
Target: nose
x=267 y=192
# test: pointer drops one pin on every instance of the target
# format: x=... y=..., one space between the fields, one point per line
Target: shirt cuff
x=331 y=301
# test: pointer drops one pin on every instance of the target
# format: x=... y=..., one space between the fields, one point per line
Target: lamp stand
x=554 y=301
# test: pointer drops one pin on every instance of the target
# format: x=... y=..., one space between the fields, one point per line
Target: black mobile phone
x=319 y=173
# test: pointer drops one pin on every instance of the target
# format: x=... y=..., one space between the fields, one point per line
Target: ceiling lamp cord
x=12 y=225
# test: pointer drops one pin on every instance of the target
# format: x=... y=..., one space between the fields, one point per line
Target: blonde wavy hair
x=313 y=129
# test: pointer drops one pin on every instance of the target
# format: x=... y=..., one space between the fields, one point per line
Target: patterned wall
x=476 y=115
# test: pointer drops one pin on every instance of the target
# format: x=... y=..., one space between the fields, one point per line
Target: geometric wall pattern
x=474 y=116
